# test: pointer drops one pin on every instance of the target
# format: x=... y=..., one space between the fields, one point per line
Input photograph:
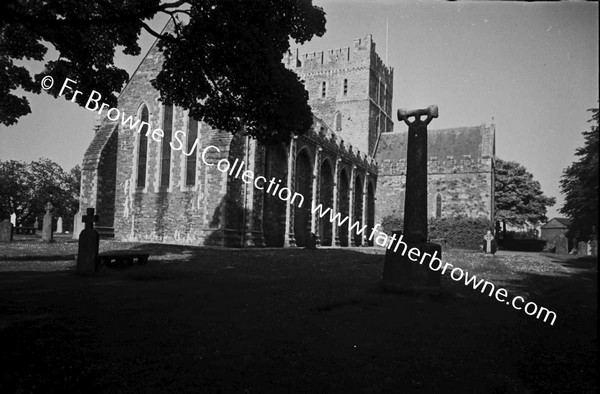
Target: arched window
x=438 y=206
x=192 y=151
x=345 y=87
x=385 y=98
x=338 y=121
x=324 y=89
x=142 y=148
x=165 y=169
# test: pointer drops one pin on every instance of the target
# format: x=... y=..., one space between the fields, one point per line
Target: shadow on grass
x=298 y=320
x=56 y=257
x=562 y=357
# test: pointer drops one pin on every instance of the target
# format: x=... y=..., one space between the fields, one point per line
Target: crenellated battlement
x=379 y=66
x=362 y=53
x=350 y=88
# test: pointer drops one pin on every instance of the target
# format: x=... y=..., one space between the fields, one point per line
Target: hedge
x=459 y=232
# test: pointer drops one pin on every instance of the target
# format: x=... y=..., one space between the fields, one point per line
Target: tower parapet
x=350 y=89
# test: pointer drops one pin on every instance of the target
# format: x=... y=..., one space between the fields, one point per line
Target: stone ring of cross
x=430 y=113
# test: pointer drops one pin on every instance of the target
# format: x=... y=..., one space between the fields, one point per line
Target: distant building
x=460 y=172
x=554 y=228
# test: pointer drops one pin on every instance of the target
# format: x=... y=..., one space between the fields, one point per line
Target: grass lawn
x=288 y=320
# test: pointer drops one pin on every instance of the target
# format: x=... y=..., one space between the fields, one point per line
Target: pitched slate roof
x=557 y=223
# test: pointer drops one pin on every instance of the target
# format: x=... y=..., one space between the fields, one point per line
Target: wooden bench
x=122 y=258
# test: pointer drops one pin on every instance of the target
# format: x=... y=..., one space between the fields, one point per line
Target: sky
x=531 y=68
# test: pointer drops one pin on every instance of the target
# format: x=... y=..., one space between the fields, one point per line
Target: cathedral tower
x=350 y=89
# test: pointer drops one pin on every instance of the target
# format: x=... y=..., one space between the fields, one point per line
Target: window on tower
x=345 y=87
x=338 y=121
x=324 y=89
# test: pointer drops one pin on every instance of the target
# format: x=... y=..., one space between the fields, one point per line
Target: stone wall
x=98 y=176
x=460 y=171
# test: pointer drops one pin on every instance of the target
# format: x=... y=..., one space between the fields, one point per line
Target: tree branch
x=9 y=14
x=155 y=34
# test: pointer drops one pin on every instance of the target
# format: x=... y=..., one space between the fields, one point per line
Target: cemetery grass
x=287 y=320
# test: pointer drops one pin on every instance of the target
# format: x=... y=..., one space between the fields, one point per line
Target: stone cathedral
x=350 y=161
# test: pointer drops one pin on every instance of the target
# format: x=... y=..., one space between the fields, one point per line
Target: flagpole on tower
x=386 y=39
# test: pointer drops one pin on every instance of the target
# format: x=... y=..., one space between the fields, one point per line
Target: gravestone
x=593 y=243
x=77 y=225
x=89 y=245
x=489 y=244
x=400 y=272
x=13 y=219
x=593 y=250
x=47 y=232
x=582 y=248
x=311 y=241
x=562 y=244
x=5 y=230
x=59 y=225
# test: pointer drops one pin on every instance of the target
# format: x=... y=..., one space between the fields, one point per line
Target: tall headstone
x=593 y=249
x=582 y=248
x=311 y=242
x=489 y=245
x=36 y=224
x=59 y=225
x=562 y=244
x=5 y=230
x=47 y=232
x=400 y=272
x=13 y=219
x=89 y=245
x=77 y=225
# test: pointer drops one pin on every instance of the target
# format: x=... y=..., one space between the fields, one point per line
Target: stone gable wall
x=460 y=169
x=98 y=174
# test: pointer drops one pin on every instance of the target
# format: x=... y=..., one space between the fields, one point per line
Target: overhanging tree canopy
x=224 y=64
x=579 y=184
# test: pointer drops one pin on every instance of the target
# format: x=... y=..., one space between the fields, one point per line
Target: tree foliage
x=14 y=191
x=579 y=184
x=223 y=63
x=518 y=197
x=26 y=188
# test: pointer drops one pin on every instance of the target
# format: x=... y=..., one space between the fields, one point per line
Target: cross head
x=89 y=218
x=489 y=237
x=417 y=115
